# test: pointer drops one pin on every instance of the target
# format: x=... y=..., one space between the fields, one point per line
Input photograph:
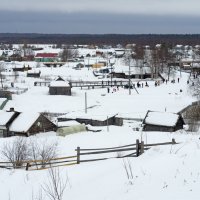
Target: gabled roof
x=5 y=117
x=59 y=84
x=24 y=122
x=161 y=118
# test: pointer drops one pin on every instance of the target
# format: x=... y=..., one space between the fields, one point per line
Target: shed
x=34 y=73
x=162 y=121
x=60 y=87
x=94 y=120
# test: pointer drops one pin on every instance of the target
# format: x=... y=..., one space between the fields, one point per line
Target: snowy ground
x=163 y=172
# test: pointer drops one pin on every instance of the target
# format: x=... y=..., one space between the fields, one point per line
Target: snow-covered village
x=104 y=123
x=99 y=100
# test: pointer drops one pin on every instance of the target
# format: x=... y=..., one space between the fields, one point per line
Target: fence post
x=27 y=166
x=137 y=147
x=173 y=141
x=142 y=147
x=78 y=155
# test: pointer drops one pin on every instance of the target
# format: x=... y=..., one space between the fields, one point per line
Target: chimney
x=12 y=110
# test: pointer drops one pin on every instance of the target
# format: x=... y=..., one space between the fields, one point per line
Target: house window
x=39 y=124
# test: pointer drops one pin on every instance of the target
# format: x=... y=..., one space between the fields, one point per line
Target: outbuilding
x=162 y=121
x=60 y=87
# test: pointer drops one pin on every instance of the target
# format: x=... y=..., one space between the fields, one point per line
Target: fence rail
x=133 y=150
x=137 y=149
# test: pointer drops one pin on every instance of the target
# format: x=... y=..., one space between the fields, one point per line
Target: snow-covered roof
x=59 y=84
x=68 y=123
x=5 y=117
x=24 y=122
x=94 y=115
x=161 y=118
x=34 y=71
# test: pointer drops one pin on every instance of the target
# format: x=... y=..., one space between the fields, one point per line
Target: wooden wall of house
x=118 y=75
x=148 y=127
x=42 y=124
x=35 y=75
x=111 y=121
x=60 y=91
x=179 y=124
x=118 y=121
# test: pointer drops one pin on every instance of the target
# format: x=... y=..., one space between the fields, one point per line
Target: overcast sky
x=100 y=16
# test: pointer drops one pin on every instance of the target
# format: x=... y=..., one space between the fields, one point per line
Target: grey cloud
x=95 y=23
x=156 y=7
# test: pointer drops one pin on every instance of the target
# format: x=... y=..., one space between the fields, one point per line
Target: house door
x=1 y=133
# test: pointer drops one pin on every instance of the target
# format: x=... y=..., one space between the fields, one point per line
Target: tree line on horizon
x=101 y=39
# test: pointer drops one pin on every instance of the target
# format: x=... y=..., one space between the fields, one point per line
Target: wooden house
x=6 y=118
x=162 y=121
x=60 y=87
x=28 y=123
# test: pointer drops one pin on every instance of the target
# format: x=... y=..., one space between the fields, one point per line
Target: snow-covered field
x=163 y=172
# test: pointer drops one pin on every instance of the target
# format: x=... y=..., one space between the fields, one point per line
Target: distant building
x=46 y=57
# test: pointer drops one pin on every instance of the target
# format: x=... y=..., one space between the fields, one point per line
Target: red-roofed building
x=46 y=57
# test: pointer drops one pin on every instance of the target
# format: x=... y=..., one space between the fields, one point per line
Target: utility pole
x=129 y=77
x=85 y=102
x=107 y=125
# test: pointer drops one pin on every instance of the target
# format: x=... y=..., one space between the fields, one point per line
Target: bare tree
x=1 y=75
x=68 y=53
x=16 y=152
x=194 y=88
x=56 y=184
x=44 y=152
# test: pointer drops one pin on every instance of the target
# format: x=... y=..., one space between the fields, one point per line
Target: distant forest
x=107 y=39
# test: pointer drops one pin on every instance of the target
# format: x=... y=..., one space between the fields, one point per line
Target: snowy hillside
x=162 y=172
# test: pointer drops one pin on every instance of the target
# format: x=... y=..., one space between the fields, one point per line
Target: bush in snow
x=16 y=152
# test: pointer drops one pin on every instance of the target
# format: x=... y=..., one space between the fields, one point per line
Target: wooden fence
x=136 y=150
x=40 y=164
x=132 y=150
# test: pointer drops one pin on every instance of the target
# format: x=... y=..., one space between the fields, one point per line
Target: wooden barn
x=60 y=87
x=162 y=121
x=94 y=120
x=28 y=123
